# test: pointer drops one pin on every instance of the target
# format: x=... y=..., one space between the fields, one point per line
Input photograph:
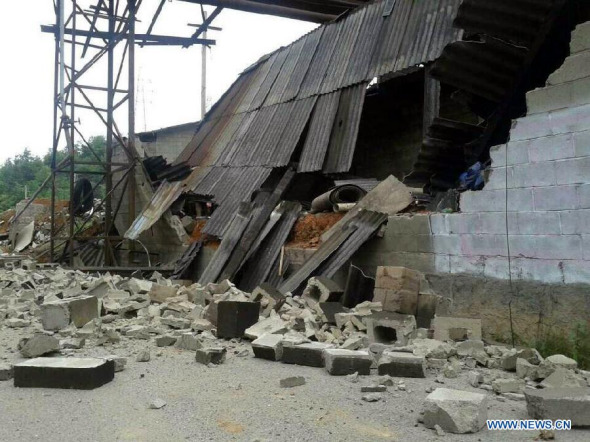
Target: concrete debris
x=321 y=289
x=38 y=345
x=272 y=325
x=398 y=364
x=68 y=373
x=563 y=378
x=165 y=341
x=188 y=341
x=560 y=403
x=373 y=389
x=6 y=372
x=455 y=411
x=308 y=354
x=372 y=397
x=293 y=381
x=268 y=347
x=461 y=328
x=157 y=404
x=120 y=362
x=397 y=288
x=269 y=298
x=143 y=356
x=562 y=361
x=234 y=317
x=341 y=362
x=475 y=378
x=439 y=430
x=211 y=355
x=508 y=385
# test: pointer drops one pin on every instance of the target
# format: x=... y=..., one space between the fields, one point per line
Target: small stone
x=6 y=372
x=143 y=356
x=73 y=343
x=562 y=361
x=340 y=362
x=211 y=355
x=451 y=370
x=372 y=397
x=546 y=435
x=385 y=380
x=120 y=362
x=293 y=381
x=165 y=341
x=353 y=378
x=400 y=364
x=439 y=430
x=188 y=341
x=508 y=385
x=475 y=379
x=373 y=389
x=156 y=404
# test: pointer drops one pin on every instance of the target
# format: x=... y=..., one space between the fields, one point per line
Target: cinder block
x=447 y=244
x=495 y=201
x=539 y=223
x=550 y=148
x=572 y=119
x=496 y=267
x=575 y=221
x=389 y=328
x=404 y=224
x=583 y=196
x=483 y=245
x=268 y=347
x=233 y=318
x=404 y=365
x=549 y=98
x=558 y=246
x=438 y=224
x=473 y=265
x=442 y=325
x=463 y=223
x=79 y=310
x=580 y=39
x=534 y=126
x=532 y=175
x=555 y=198
x=68 y=373
x=543 y=270
x=573 y=68
x=576 y=272
x=517 y=153
x=341 y=362
x=573 y=171
x=309 y=354
x=211 y=355
x=582 y=143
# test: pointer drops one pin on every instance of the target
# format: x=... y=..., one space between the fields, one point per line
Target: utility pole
x=204 y=72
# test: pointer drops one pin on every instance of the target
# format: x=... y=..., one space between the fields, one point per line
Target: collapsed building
x=392 y=93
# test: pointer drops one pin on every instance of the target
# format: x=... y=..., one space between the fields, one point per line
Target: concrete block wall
x=535 y=205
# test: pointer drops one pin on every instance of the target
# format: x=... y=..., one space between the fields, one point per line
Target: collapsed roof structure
x=296 y=114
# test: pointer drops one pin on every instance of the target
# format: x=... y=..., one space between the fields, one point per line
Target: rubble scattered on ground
x=59 y=312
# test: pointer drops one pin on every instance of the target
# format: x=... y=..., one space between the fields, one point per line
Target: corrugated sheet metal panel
x=254 y=137
x=307 y=54
x=358 y=65
x=278 y=89
x=259 y=74
x=345 y=130
x=233 y=145
x=270 y=79
x=234 y=232
x=260 y=264
x=318 y=136
x=236 y=187
x=367 y=184
x=324 y=251
x=317 y=69
x=161 y=201
x=367 y=223
x=512 y=20
x=272 y=137
x=343 y=51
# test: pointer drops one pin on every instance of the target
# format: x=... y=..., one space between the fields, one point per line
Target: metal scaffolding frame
x=84 y=37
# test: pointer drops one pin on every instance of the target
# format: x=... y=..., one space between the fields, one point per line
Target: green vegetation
x=29 y=171
x=576 y=345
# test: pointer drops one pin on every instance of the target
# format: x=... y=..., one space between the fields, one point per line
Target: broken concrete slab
x=293 y=381
x=455 y=411
x=143 y=356
x=157 y=404
x=72 y=343
x=211 y=355
x=321 y=289
x=59 y=314
x=308 y=354
x=234 y=317
x=560 y=403
x=433 y=349
x=564 y=378
x=268 y=347
x=68 y=373
x=502 y=385
x=269 y=298
x=475 y=378
x=341 y=362
x=165 y=341
x=38 y=345
x=330 y=310
x=177 y=323
x=160 y=293
x=405 y=365
x=188 y=341
x=373 y=389
x=272 y=325
x=6 y=372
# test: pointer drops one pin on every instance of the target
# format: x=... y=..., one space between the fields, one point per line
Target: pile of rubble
x=59 y=311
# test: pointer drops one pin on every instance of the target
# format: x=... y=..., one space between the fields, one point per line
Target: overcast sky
x=168 y=78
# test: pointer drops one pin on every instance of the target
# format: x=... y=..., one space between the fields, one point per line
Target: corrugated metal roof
x=261 y=262
x=337 y=249
x=318 y=137
x=260 y=120
x=345 y=130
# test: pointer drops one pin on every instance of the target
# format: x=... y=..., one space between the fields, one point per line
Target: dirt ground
x=239 y=400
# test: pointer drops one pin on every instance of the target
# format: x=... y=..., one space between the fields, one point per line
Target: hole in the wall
x=384 y=334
